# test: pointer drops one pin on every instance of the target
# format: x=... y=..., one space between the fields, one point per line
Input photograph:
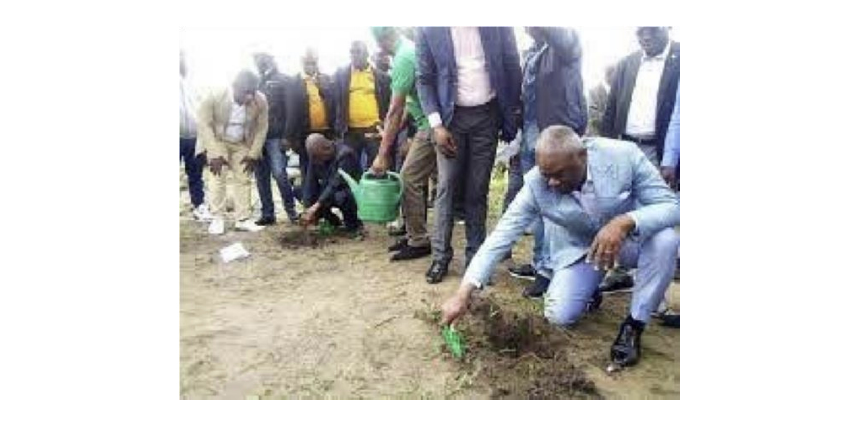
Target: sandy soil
x=341 y=321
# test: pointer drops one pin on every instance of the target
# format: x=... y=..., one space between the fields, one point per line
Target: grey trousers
x=474 y=130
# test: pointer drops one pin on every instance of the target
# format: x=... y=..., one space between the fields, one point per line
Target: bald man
x=324 y=187
x=602 y=203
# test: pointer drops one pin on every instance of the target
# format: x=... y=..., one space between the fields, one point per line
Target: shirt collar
x=661 y=56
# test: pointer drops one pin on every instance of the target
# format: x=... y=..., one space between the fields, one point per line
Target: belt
x=638 y=140
x=486 y=105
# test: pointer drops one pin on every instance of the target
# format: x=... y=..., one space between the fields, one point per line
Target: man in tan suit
x=231 y=126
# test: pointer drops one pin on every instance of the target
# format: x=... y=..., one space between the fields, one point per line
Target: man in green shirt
x=420 y=160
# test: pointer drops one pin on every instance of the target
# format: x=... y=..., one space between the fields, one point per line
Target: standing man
x=420 y=159
x=187 y=143
x=326 y=188
x=469 y=81
x=642 y=96
x=602 y=203
x=552 y=95
x=598 y=99
x=363 y=95
x=232 y=125
x=310 y=107
x=272 y=84
x=382 y=61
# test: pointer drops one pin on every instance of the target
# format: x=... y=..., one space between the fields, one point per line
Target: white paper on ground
x=234 y=251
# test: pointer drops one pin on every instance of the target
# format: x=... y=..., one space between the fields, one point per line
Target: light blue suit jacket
x=624 y=181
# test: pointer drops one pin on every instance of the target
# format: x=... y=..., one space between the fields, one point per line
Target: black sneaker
x=412 y=252
x=266 y=220
x=436 y=272
x=399 y=244
x=537 y=289
x=617 y=281
x=525 y=271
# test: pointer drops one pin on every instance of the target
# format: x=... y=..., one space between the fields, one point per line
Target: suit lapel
x=446 y=41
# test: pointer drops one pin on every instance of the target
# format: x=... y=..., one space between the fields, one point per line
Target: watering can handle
x=394 y=175
x=402 y=184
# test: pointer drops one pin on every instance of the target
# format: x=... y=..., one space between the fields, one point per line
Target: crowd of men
x=595 y=179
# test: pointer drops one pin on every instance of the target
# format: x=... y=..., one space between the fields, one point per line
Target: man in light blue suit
x=602 y=203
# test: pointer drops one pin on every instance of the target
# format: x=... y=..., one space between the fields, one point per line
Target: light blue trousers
x=571 y=288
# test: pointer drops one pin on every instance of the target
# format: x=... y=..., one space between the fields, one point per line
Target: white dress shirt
x=474 y=84
x=235 y=125
x=641 y=120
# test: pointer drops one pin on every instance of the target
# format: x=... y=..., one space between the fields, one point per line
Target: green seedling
x=454 y=341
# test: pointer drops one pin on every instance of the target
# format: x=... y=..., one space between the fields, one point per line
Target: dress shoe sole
x=416 y=255
x=522 y=277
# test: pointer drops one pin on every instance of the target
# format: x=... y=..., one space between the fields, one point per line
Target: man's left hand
x=249 y=164
x=606 y=247
x=669 y=174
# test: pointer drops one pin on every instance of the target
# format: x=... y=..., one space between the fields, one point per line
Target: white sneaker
x=202 y=214
x=248 y=225
x=216 y=227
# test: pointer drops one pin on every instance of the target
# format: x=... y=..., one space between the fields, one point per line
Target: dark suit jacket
x=559 y=94
x=297 y=109
x=437 y=75
x=274 y=85
x=620 y=96
x=323 y=180
x=342 y=93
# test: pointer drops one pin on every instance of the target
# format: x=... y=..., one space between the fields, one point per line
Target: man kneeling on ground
x=586 y=194
x=324 y=187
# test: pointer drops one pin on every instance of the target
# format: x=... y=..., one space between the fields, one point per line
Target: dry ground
x=341 y=321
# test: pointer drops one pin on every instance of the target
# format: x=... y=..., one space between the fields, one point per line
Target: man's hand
x=380 y=164
x=311 y=215
x=606 y=247
x=444 y=141
x=669 y=174
x=284 y=145
x=249 y=164
x=216 y=165
x=457 y=305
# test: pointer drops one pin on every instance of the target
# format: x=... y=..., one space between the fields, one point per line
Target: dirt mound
x=517 y=357
x=299 y=238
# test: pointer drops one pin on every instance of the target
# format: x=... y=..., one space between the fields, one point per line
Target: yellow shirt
x=364 y=110
x=317 y=111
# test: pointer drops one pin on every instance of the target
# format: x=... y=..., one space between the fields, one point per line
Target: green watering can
x=377 y=199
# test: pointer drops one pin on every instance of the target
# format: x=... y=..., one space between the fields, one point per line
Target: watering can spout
x=353 y=184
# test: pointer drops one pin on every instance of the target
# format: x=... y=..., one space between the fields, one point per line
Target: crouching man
x=602 y=202
x=325 y=188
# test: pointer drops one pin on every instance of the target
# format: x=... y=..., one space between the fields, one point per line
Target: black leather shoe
x=412 y=252
x=670 y=320
x=399 y=244
x=436 y=272
x=596 y=300
x=617 y=281
x=266 y=220
x=525 y=271
x=626 y=351
x=333 y=220
x=538 y=288
x=397 y=232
